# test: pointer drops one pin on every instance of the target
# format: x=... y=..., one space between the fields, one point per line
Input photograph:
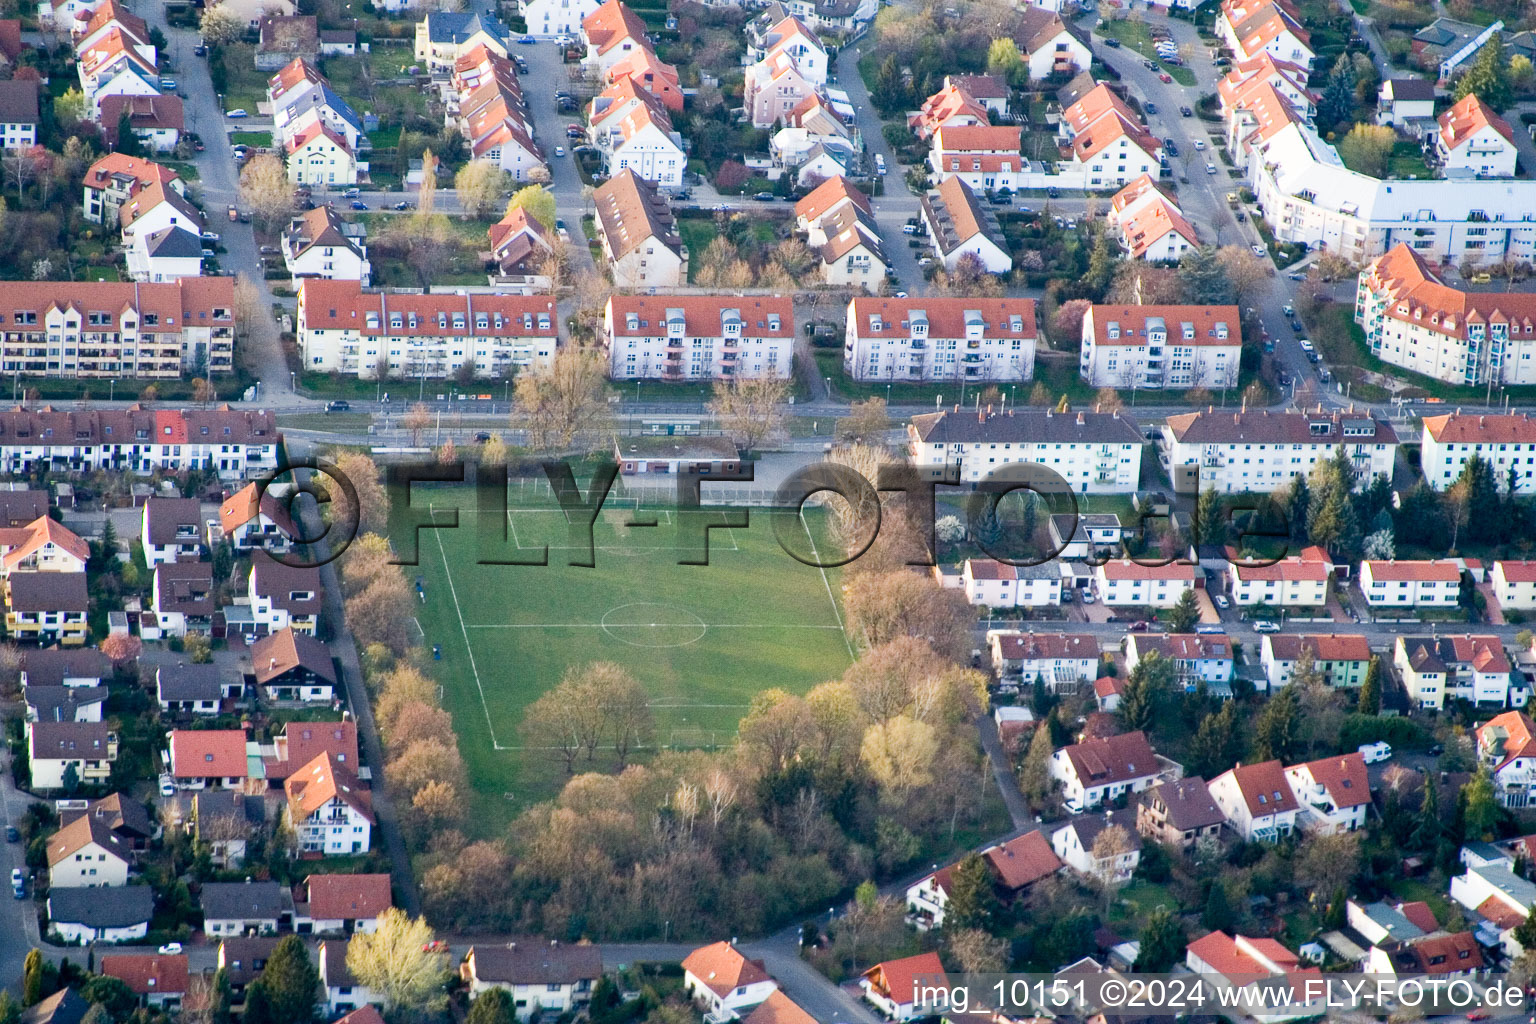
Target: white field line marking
x=469 y=648
x=828 y=584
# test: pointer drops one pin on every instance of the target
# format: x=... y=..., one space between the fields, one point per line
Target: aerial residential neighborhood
x=659 y=512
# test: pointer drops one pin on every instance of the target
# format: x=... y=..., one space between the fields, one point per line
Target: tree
x=1035 y=773
x=1429 y=829
x=1108 y=847
x=564 y=402
x=972 y=899
x=1217 y=915
x=70 y=779
x=1185 y=613
x=69 y=108
x=1146 y=691
x=1205 y=277
x=1245 y=272
x=198 y=649
x=289 y=985
x=378 y=614
x=1368 y=148
x=1337 y=103
x=416 y=419
x=493 y=1006
x=1067 y=323
x=1218 y=742
x=33 y=977
x=1487 y=76
x=1162 y=943
x=553 y=724
x=1370 y=691
x=1327 y=863
x=976 y=951
x=1275 y=733
x=899 y=754
x=121 y=648
x=266 y=191
x=1380 y=546
x=110 y=995
x=372 y=512
x=221 y=25
x=128 y=142
x=396 y=961
x=1003 y=59
x=494 y=451
x=1479 y=807
x=480 y=184
x=750 y=410
x=866 y=422
x=448 y=453
x=888 y=606
x=538 y=201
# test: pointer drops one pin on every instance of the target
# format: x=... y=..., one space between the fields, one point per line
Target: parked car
x=358 y=204
x=339 y=405
x=170 y=949
x=11 y=835
x=1210 y=168
x=402 y=205
x=1222 y=602
x=1266 y=626
x=199 y=51
x=764 y=197
x=268 y=250
x=352 y=193
x=559 y=151
x=209 y=254
x=1260 y=251
x=482 y=436
x=526 y=40
x=1113 y=44
x=879 y=163
x=1151 y=107
x=1199 y=143
x=210 y=236
x=1186 y=111
x=1139 y=626
x=1376 y=752
x=236 y=114
x=1165 y=78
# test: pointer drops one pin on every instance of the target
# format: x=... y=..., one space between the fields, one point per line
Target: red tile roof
x=1441 y=570
x=703 y=314
x=1112 y=759
x=1037 y=646
x=1133 y=323
x=321 y=781
x=1419 y=914
x=149 y=975
x=899 y=979
x=1344 y=777
x=778 y=1008
x=1264 y=788
x=1023 y=861
x=347 y=897
x=723 y=968
x=829 y=194
x=205 y=753
x=1324 y=646
x=947 y=317
x=1468 y=117
x=1475 y=428
x=1125 y=569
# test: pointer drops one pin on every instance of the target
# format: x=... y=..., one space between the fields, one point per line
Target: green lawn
x=701 y=641
x=697 y=233
x=1407 y=161
x=260 y=140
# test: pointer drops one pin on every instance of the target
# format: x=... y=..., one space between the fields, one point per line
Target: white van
x=1374 y=752
x=879 y=163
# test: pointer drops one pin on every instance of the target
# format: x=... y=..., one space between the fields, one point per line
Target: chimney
x=1079 y=419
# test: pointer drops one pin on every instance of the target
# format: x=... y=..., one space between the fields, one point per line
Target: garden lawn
x=702 y=639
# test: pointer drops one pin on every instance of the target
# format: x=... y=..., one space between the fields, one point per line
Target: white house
x=1095 y=453
x=208 y=758
x=1401 y=100
x=86 y=854
x=1110 y=146
x=245 y=908
x=319 y=156
x=1123 y=582
x=284 y=596
x=159 y=980
x=342 y=904
x=720 y=978
x=698 y=337
x=1499 y=898
x=1273 y=27
x=1152 y=226
x=316 y=244
x=638 y=234
x=1098 y=770
x=995 y=584
x=1257 y=801
x=54 y=748
x=1048 y=44
x=170 y=529
x=1130 y=347
x=539 y=975
x=959 y=225
x=556 y=17
x=1333 y=793
x=1196 y=657
x=1506 y=442
x=905 y=989
x=1296 y=581
x=1263 y=967
x=1408 y=583
x=984 y=156
x=1466 y=667
x=117 y=914
x=328 y=809
x=248 y=521
x=169 y=254
x=1506 y=745
x=189 y=689
x=940 y=338
x=1475 y=140
x=1236 y=451
x=1064 y=661
x=1514 y=584
x=1074 y=842
x=1384 y=922
x=1341 y=659
x=343 y=992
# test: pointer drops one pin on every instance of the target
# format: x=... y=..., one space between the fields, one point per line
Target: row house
x=555 y=977
x=1413 y=320
x=698 y=337
x=633 y=131
x=778 y=30
x=300 y=97
x=1094 y=452
x=171 y=530
x=1152 y=227
x=373 y=335
x=1296 y=581
x=1097 y=771
x=1332 y=793
x=110 y=329
x=1506 y=442
x=1174 y=347
x=1262 y=451
x=318 y=243
x=1474 y=140
x=114 y=56
x=638 y=234
x=940 y=339
x=646 y=71
x=1064 y=662
x=1265 y=27
x=1341 y=659
x=1078 y=537
x=284 y=596
x=985 y=157
x=114 y=179
x=993 y=584
x=839 y=226
x=1104 y=142
x=492 y=114
x=1240 y=84
x=789 y=65
x=56 y=749
x=950 y=107
x=1197 y=658
x=1122 y=582
x=960 y=226
x=236 y=444
x=442 y=37
x=47 y=607
x=1406 y=583
x=1475 y=669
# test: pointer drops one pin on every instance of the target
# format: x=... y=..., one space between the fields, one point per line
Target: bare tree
x=566 y=402
x=751 y=410
x=265 y=189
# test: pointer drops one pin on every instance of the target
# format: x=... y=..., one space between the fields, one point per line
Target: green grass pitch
x=702 y=639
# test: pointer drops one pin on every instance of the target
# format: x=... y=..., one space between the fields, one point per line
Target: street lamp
x=112 y=390
x=292 y=378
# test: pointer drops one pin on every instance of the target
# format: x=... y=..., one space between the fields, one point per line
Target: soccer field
x=702 y=639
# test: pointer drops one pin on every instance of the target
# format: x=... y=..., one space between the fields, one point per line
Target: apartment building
x=344 y=329
x=959 y=224
x=698 y=337
x=1122 y=582
x=1064 y=662
x=984 y=156
x=1196 y=658
x=1297 y=581
x=1506 y=442
x=1341 y=659
x=1408 y=583
x=1261 y=451
x=1476 y=669
x=940 y=339
x=1254 y=28
x=638 y=234
x=114 y=179
x=1173 y=347
x=1094 y=452
x=1109 y=146
x=151 y=331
